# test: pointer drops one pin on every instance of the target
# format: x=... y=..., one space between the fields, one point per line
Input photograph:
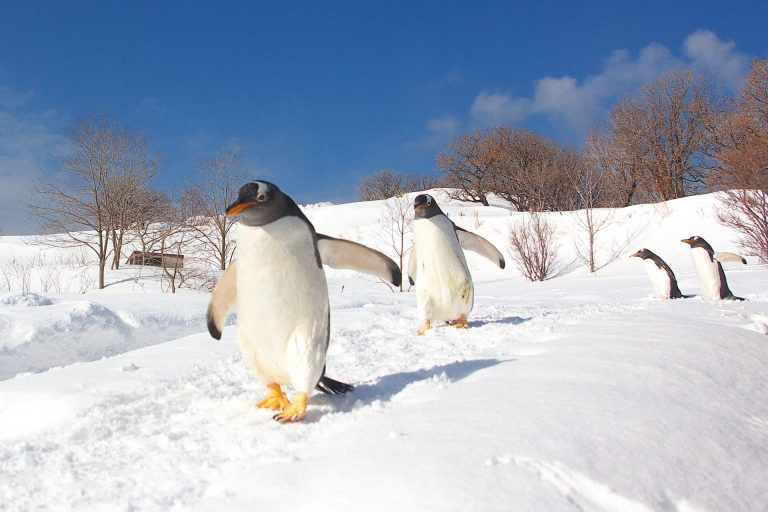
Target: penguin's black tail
x=733 y=297
x=331 y=386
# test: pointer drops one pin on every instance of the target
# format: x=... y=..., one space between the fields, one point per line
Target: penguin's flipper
x=675 y=292
x=222 y=301
x=725 y=292
x=343 y=254
x=412 y=267
x=729 y=257
x=478 y=244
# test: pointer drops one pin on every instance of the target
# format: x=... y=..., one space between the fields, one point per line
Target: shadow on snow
x=390 y=385
x=508 y=320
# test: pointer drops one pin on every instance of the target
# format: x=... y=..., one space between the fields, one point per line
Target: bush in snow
x=533 y=246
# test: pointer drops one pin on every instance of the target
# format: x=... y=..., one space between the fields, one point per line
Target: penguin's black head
x=642 y=254
x=259 y=203
x=696 y=241
x=425 y=206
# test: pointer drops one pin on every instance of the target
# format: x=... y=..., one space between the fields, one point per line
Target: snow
x=579 y=393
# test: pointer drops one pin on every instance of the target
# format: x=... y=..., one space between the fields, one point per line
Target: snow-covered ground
x=578 y=393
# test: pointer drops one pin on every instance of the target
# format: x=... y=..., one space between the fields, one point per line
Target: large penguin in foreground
x=438 y=268
x=661 y=276
x=279 y=286
x=709 y=271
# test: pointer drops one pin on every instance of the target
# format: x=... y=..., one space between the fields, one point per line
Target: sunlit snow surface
x=579 y=393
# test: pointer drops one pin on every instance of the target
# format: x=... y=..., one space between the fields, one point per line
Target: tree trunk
x=102 y=266
x=117 y=244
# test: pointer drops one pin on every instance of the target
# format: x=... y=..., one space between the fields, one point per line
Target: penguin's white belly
x=444 y=289
x=706 y=273
x=282 y=306
x=662 y=285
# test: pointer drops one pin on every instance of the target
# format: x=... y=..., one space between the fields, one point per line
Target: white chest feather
x=444 y=288
x=662 y=286
x=706 y=273
x=282 y=303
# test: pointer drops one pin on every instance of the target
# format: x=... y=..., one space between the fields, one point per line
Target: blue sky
x=319 y=94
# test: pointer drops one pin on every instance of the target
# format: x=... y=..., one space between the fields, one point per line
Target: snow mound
x=70 y=331
x=321 y=204
x=24 y=299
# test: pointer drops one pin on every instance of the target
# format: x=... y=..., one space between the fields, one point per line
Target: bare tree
x=746 y=212
x=530 y=170
x=662 y=134
x=127 y=188
x=743 y=158
x=589 y=218
x=533 y=246
x=175 y=236
x=150 y=210
x=396 y=221
x=80 y=204
x=220 y=179
x=468 y=166
x=527 y=169
x=595 y=186
x=389 y=183
x=620 y=165
x=415 y=182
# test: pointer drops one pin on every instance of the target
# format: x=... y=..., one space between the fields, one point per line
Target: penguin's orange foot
x=427 y=325
x=460 y=323
x=275 y=399
x=294 y=411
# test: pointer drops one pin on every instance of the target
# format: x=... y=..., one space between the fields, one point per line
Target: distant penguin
x=709 y=271
x=661 y=276
x=729 y=257
x=438 y=268
x=279 y=286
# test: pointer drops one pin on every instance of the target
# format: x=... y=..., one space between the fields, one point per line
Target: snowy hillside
x=579 y=393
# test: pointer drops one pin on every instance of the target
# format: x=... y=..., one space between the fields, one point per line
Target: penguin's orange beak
x=420 y=206
x=236 y=208
x=636 y=255
x=686 y=241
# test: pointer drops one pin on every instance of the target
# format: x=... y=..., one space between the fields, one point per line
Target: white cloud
x=445 y=125
x=710 y=54
x=577 y=105
x=440 y=130
x=11 y=98
x=498 y=107
x=26 y=144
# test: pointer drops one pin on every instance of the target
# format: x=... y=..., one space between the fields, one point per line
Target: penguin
x=438 y=268
x=729 y=257
x=709 y=271
x=278 y=286
x=662 y=278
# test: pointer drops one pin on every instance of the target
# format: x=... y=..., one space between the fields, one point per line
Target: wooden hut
x=156 y=259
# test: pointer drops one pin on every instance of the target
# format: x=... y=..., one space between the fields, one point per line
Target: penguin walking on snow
x=438 y=268
x=661 y=276
x=279 y=287
x=709 y=271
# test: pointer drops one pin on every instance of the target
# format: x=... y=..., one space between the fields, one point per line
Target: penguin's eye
x=261 y=197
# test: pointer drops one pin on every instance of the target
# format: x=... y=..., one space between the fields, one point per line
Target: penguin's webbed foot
x=460 y=323
x=294 y=411
x=275 y=399
x=427 y=325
